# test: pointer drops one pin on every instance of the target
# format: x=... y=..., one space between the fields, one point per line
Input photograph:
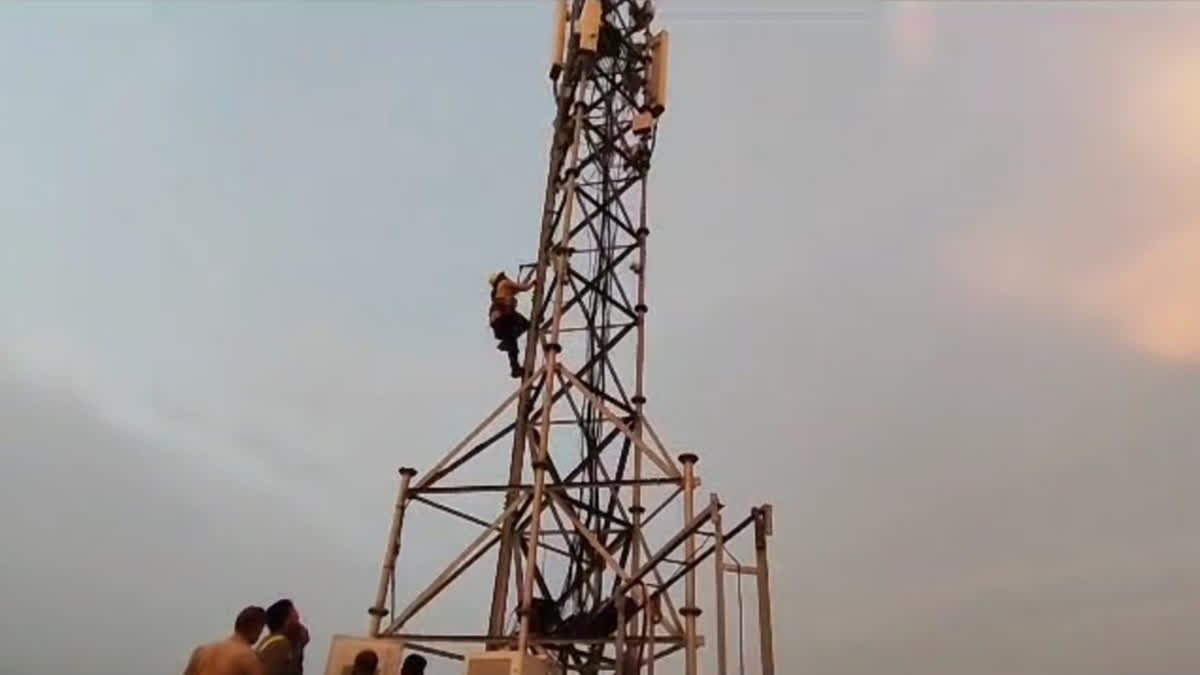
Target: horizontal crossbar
x=558 y=487
x=533 y=639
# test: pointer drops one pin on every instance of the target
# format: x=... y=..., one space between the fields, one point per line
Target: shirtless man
x=235 y=654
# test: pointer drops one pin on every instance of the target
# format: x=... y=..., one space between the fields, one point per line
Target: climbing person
x=507 y=323
x=235 y=654
x=277 y=652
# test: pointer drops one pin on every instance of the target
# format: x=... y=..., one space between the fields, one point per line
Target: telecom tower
x=599 y=524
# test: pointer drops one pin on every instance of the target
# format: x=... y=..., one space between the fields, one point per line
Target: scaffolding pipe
x=719 y=590
x=388 y=569
x=762 y=528
x=552 y=363
x=690 y=610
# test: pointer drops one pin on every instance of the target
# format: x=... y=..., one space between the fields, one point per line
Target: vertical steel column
x=690 y=611
x=719 y=569
x=620 y=647
x=762 y=529
x=561 y=273
x=637 y=510
x=650 y=658
x=565 y=93
x=378 y=611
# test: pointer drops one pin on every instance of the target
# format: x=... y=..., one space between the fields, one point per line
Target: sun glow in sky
x=1146 y=289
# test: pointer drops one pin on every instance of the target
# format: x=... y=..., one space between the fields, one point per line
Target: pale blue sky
x=244 y=252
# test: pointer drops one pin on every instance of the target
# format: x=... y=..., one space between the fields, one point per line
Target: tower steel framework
x=582 y=541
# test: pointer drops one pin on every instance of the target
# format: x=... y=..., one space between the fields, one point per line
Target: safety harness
x=498 y=306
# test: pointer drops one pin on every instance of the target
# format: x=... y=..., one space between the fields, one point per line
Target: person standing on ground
x=365 y=663
x=414 y=664
x=235 y=654
x=297 y=635
x=276 y=652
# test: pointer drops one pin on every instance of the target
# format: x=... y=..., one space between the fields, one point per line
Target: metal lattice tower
x=584 y=555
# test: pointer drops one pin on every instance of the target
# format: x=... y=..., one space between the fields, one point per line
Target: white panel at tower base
x=345 y=648
x=510 y=663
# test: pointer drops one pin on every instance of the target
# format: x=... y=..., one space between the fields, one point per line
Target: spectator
x=297 y=635
x=414 y=664
x=235 y=654
x=277 y=653
x=366 y=663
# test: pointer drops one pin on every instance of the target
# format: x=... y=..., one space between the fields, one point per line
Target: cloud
x=1153 y=297
x=1162 y=110
x=1117 y=240
x=1148 y=297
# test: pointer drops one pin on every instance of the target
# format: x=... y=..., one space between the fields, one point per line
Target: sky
x=921 y=277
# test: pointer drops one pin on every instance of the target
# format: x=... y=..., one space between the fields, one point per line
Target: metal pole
x=620 y=647
x=719 y=569
x=762 y=529
x=647 y=631
x=645 y=619
x=649 y=657
x=637 y=510
x=392 y=550
x=561 y=252
x=565 y=136
x=690 y=610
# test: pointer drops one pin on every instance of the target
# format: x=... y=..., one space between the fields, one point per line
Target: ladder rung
x=576 y=329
